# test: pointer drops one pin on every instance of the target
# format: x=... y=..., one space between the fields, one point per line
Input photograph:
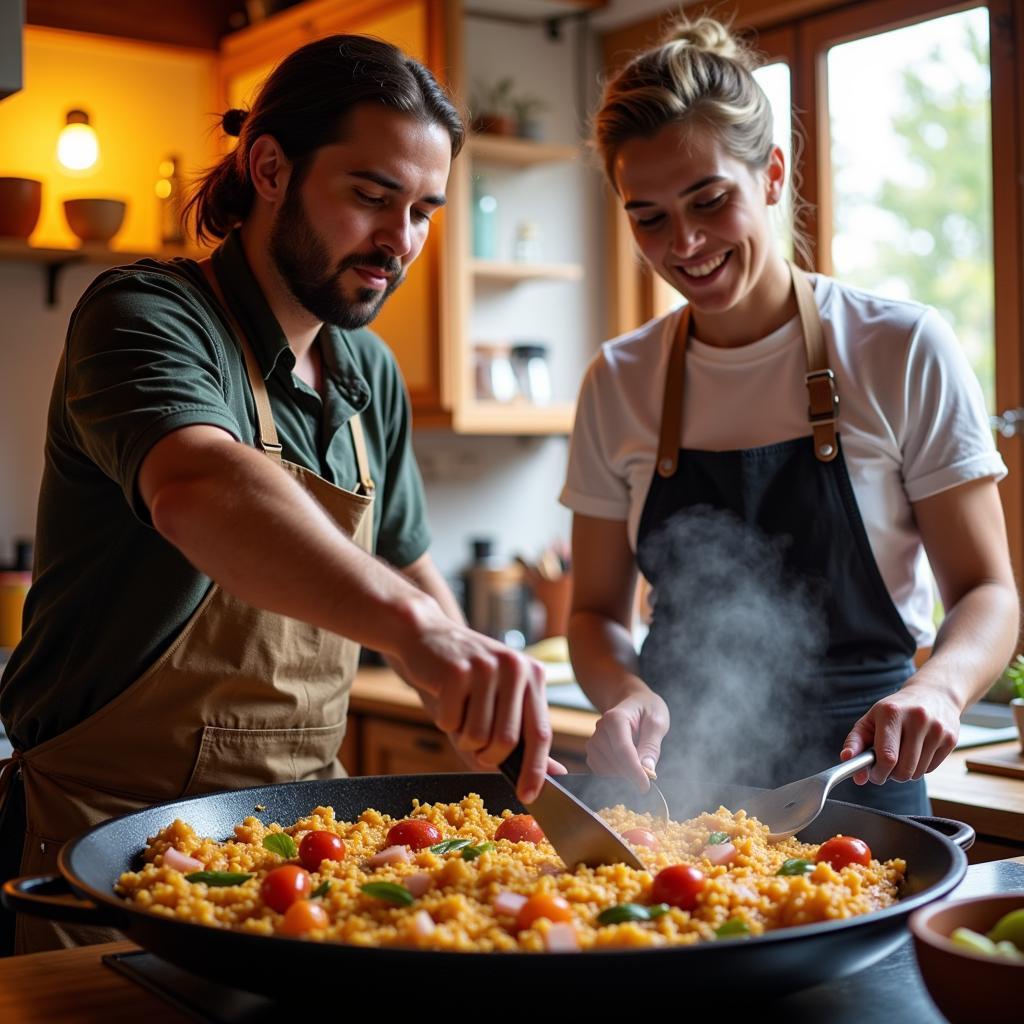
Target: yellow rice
x=460 y=898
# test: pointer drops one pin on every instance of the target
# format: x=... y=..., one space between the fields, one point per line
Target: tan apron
x=242 y=697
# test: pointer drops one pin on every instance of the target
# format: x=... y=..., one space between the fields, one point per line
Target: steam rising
x=736 y=650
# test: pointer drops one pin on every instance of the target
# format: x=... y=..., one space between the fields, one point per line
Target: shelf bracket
x=53 y=270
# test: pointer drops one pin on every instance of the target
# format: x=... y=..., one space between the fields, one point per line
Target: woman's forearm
x=604 y=659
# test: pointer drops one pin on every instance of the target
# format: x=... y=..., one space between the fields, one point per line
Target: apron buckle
x=824 y=399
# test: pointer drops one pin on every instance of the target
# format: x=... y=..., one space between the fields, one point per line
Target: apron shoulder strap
x=362 y=459
x=264 y=416
x=823 y=398
x=672 y=401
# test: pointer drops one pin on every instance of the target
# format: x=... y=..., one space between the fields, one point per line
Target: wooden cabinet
x=428 y=322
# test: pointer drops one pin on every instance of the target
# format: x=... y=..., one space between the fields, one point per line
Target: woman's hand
x=912 y=731
x=628 y=738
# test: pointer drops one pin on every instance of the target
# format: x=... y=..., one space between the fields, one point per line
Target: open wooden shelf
x=516 y=152
x=55 y=259
x=509 y=272
x=517 y=418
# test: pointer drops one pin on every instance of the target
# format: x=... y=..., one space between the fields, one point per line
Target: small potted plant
x=526 y=109
x=1015 y=674
x=492 y=108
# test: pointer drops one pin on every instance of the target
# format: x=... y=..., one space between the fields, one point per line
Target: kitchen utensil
x=652 y=775
x=573 y=829
x=779 y=961
x=790 y=808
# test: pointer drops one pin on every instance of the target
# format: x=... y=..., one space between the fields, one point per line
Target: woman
x=777 y=457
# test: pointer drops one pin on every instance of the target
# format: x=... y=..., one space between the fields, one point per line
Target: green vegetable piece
x=734 y=926
x=973 y=941
x=631 y=912
x=450 y=845
x=219 y=878
x=1010 y=928
x=472 y=852
x=1007 y=949
x=321 y=890
x=390 y=892
x=796 y=866
x=718 y=837
x=282 y=844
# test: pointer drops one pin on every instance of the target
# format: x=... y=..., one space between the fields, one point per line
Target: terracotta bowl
x=95 y=220
x=968 y=987
x=20 y=202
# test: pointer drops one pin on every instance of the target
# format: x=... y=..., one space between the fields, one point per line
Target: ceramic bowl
x=20 y=202
x=968 y=987
x=95 y=220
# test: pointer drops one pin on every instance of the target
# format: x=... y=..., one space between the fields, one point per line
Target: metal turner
x=790 y=808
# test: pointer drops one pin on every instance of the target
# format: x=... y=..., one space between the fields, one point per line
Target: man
x=225 y=450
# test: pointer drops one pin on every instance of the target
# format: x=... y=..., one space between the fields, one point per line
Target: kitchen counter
x=991 y=804
x=76 y=987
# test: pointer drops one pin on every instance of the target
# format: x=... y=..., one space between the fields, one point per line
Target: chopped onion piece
x=418 y=884
x=561 y=938
x=422 y=924
x=391 y=855
x=509 y=903
x=180 y=861
x=720 y=853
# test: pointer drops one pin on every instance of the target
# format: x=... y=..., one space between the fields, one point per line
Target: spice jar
x=495 y=378
x=530 y=363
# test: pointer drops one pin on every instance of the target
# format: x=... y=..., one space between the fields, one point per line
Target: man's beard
x=302 y=261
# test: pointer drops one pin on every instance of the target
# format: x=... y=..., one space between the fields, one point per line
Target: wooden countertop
x=992 y=804
x=73 y=986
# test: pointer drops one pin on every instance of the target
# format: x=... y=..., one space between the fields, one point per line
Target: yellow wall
x=144 y=101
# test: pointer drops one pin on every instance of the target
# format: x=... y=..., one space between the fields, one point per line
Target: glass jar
x=530 y=363
x=493 y=373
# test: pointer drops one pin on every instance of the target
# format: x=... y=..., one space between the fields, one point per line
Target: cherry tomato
x=542 y=904
x=319 y=846
x=301 y=917
x=641 y=837
x=843 y=850
x=284 y=885
x=415 y=833
x=678 y=886
x=520 y=828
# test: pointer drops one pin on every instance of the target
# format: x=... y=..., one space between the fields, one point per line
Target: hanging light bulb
x=77 y=145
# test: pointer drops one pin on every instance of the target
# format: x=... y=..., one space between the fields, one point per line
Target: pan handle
x=956 y=831
x=51 y=897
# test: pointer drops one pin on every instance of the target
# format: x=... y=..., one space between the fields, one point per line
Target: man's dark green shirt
x=148 y=352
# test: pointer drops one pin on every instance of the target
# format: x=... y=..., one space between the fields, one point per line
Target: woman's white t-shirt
x=911 y=417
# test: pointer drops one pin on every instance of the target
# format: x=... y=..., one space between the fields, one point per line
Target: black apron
x=772 y=628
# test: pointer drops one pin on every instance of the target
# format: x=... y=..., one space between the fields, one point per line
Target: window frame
x=800 y=32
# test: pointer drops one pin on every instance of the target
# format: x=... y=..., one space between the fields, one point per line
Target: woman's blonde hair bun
x=711 y=36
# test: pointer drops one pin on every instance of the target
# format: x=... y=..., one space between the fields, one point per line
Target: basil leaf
x=282 y=844
x=734 y=926
x=321 y=889
x=450 y=845
x=219 y=878
x=631 y=912
x=796 y=866
x=390 y=892
x=718 y=837
x=472 y=852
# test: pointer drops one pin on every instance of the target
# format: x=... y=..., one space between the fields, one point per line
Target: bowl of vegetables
x=971 y=956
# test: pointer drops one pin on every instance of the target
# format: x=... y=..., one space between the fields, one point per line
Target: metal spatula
x=790 y=808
